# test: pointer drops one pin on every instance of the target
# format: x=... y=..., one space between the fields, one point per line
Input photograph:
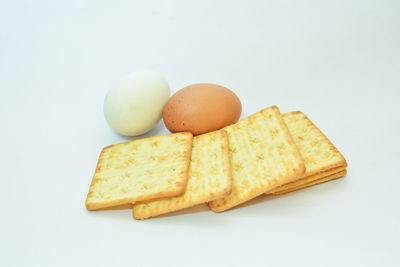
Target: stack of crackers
x=265 y=153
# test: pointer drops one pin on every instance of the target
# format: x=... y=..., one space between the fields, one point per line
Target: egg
x=201 y=108
x=135 y=103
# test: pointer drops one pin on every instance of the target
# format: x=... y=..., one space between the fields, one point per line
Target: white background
x=337 y=61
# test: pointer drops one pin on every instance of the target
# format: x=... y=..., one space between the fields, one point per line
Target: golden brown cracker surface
x=209 y=177
x=320 y=156
x=140 y=170
x=316 y=149
x=263 y=156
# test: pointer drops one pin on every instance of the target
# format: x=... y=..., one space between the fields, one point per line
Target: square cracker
x=320 y=180
x=140 y=170
x=263 y=156
x=317 y=151
x=209 y=177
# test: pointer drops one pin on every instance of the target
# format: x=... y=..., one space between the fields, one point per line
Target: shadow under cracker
x=260 y=199
x=195 y=209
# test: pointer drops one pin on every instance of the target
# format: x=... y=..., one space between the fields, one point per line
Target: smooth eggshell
x=201 y=108
x=134 y=104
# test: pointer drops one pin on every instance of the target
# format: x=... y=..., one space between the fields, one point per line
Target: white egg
x=134 y=104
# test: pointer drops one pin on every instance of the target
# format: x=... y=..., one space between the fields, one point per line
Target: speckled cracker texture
x=263 y=156
x=209 y=177
x=317 y=151
x=141 y=170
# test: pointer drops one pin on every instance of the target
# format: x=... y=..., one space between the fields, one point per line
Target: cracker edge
x=315 y=182
x=307 y=179
x=181 y=189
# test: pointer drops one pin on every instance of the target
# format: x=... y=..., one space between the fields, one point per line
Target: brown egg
x=201 y=108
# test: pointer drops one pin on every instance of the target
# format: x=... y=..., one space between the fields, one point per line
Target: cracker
x=140 y=170
x=127 y=206
x=306 y=180
x=209 y=177
x=311 y=183
x=317 y=151
x=263 y=156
